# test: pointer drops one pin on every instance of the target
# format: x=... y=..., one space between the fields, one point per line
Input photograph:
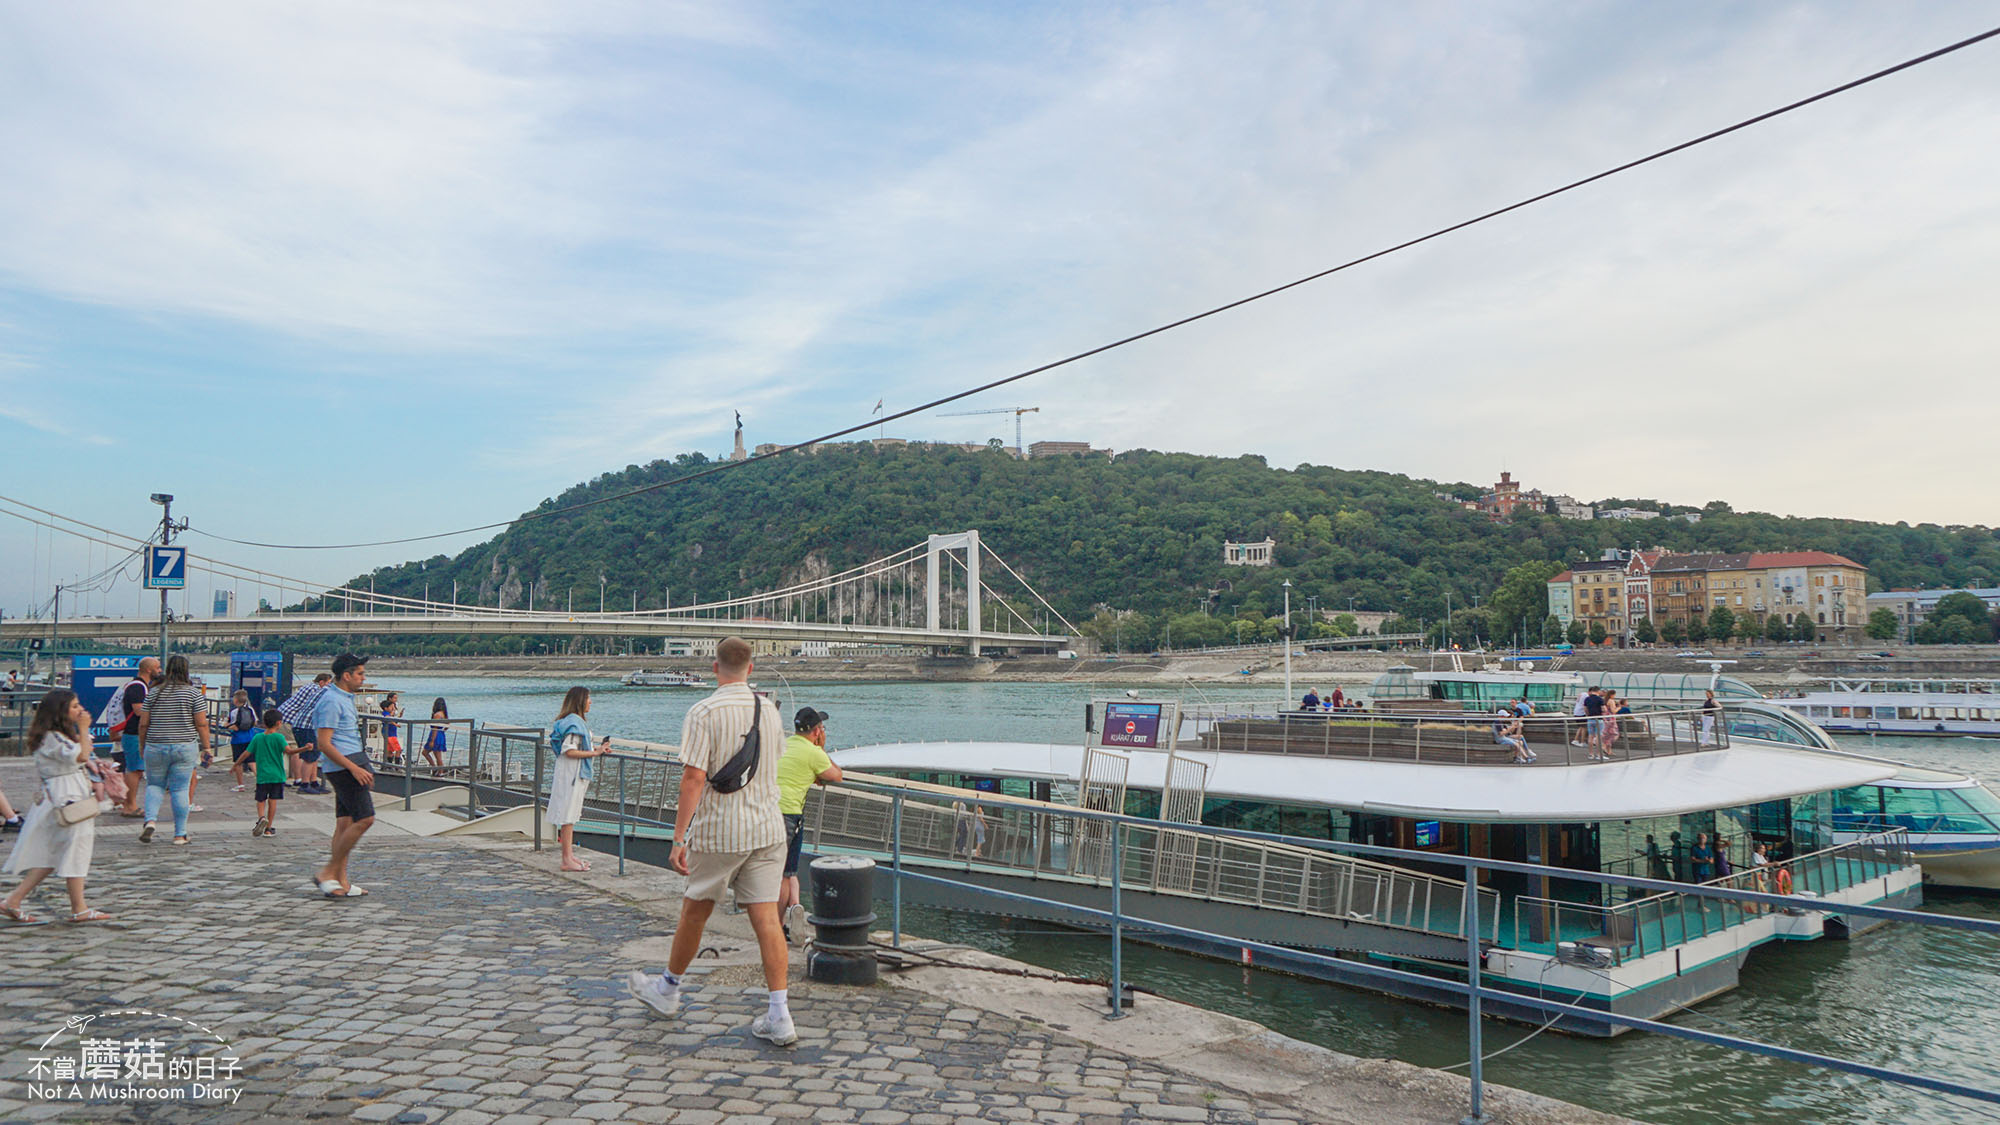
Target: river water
x=1919 y=999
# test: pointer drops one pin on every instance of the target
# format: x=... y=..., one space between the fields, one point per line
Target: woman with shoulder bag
x=61 y=829
x=173 y=725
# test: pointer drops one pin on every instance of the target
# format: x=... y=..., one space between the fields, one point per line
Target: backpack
x=113 y=715
x=742 y=765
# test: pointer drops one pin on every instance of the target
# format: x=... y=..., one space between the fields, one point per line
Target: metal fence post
x=409 y=771
x=621 y=814
x=471 y=772
x=1118 y=924
x=896 y=864
x=1474 y=1033
x=535 y=794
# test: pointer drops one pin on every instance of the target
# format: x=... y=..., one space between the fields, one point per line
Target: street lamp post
x=166 y=502
x=1288 y=638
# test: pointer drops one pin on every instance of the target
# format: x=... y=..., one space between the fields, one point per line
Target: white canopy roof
x=1740 y=775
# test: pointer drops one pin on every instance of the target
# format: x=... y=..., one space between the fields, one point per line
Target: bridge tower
x=936 y=545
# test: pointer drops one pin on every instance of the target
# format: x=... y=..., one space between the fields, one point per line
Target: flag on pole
x=878 y=407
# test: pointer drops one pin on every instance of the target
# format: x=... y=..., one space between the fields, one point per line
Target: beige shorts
x=754 y=875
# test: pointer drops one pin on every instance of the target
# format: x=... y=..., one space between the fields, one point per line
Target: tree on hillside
x=1674 y=632
x=1578 y=633
x=1521 y=598
x=1882 y=624
x=1645 y=631
x=1721 y=623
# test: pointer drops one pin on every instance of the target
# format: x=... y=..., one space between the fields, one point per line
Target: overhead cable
x=1155 y=331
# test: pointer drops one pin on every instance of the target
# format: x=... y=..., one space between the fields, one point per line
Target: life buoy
x=1784 y=880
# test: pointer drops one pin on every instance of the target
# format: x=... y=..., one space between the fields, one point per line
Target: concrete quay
x=475 y=985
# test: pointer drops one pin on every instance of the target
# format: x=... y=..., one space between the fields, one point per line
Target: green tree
x=1775 y=628
x=1964 y=607
x=1521 y=598
x=1721 y=623
x=1697 y=629
x=1645 y=631
x=1578 y=633
x=1344 y=625
x=1804 y=629
x=1747 y=628
x=1597 y=633
x=1674 y=632
x=1882 y=624
x=1552 y=630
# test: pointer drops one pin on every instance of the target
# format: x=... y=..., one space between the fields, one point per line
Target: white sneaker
x=780 y=1031
x=795 y=921
x=655 y=993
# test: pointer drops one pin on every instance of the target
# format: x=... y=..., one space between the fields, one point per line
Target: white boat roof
x=1743 y=774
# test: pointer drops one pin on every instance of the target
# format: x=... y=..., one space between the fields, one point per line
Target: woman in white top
x=570 y=740
x=60 y=737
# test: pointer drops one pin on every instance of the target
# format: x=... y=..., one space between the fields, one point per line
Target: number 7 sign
x=166 y=568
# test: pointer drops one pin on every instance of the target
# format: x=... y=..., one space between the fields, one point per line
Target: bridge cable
x=1155 y=331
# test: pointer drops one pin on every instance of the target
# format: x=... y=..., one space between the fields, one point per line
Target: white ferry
x=643 y=678
x=1436 y=782
x=1948 y=708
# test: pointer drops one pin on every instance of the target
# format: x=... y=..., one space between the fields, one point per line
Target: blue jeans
x=169 y=769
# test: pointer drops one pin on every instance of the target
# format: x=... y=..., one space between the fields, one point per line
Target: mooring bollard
x=843 y=902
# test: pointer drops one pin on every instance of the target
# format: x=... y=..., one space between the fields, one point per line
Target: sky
x=331 y=273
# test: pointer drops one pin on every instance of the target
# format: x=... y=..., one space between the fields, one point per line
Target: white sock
x=778 y=1007
x=669 y=983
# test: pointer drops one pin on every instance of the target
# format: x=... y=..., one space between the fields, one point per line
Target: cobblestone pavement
x=470 y=988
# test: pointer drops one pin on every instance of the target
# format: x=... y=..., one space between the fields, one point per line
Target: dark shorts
x=794 y=833
x=308 y=755
x=350 y=798
x=304 y=736
x=240 y=753
x=270 y=791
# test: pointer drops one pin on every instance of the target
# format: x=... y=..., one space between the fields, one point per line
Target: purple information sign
x=1132 y=724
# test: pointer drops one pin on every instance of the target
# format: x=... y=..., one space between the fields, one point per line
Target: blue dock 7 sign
x=166 y=568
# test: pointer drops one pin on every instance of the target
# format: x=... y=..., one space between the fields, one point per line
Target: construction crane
x=1019 y=449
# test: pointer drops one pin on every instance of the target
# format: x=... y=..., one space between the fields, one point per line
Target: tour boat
x=1436 y=782
x=643 y=678
x=1902 y=706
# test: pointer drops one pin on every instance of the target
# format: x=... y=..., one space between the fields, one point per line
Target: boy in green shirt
x=269 y=750
x=803 y=763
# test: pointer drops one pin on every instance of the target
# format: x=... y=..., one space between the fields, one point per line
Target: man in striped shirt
x=725 y=840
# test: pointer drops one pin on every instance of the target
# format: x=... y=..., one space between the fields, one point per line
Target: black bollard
x=843 y=902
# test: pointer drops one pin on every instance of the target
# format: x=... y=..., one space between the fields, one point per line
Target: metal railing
x=1464 y=738
x=1656 y=923
x=645 y=776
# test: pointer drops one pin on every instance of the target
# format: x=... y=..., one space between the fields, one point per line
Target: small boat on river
x=643 y=678
x=1947 y=708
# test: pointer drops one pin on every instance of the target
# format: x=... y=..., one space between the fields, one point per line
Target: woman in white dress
x=570 y=740
x=47 y=846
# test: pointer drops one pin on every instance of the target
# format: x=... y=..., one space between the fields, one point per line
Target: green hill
x=1143 y=532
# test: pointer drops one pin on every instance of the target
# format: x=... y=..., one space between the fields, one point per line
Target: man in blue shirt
x=338 y=727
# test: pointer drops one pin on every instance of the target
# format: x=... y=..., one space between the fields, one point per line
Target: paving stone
x=497 y=1003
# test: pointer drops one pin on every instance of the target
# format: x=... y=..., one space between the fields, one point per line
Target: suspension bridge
x=938 y=595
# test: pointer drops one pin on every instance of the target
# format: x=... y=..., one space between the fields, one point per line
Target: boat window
x=1768 y=728
x=1930 y=810
x=1885 y=712
x=1906 y=712
x=1981 y=800
x=1857 y=809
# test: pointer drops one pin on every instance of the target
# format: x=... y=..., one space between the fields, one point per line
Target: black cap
x=345 y=661
x=807 y=719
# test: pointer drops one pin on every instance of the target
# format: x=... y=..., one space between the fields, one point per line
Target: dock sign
x=166 y=568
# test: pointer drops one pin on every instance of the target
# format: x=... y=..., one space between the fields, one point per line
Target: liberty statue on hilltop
x=738 y=453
